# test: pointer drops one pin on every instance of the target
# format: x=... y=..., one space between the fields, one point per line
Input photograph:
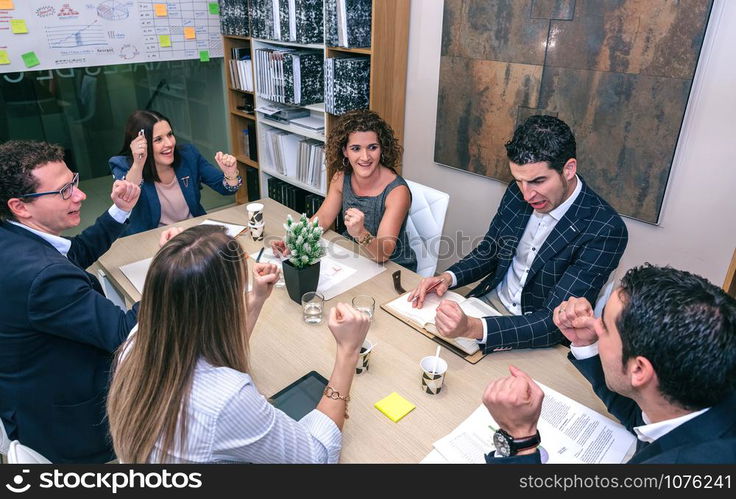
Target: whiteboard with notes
x=39 y=35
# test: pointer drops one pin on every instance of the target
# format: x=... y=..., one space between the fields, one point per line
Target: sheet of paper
x=233 y=230
x=136 y=272
x=571 y=433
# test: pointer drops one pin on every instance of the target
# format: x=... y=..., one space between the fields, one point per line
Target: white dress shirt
x=648 y=432
x=62 y=244
x=229 y=421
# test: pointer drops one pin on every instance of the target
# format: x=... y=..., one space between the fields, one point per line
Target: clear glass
x=312 y=305
x=365 y=304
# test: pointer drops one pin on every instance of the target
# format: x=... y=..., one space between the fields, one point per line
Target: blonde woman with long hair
x=181 y=391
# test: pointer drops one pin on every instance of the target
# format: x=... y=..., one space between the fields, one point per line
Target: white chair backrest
x=20 y=454
x=424 y=225
x=605 y=294
x=4 y=440
x=111 y=292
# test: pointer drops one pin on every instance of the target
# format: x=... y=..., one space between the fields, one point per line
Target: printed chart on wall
x=37 y=35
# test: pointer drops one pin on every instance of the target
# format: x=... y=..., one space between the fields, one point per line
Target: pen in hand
x=260 y=253
x=430 y=288
x=141 y=133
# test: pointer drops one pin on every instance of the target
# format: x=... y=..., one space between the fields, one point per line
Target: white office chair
x=20 y=454
x=110 y=290
x=605 y=294
x=424 y=225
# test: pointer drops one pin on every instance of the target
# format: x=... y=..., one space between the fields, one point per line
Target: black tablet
x=302 y=396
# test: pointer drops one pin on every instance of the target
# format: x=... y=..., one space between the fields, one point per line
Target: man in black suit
x=57 y=329
x=663 y=360
x=552 y=238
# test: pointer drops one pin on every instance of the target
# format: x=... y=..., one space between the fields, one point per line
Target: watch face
x=502 y=444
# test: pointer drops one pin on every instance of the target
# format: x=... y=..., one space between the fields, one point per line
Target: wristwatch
x=506 y=445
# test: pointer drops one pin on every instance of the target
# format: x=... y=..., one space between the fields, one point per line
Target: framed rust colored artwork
x=618 y=72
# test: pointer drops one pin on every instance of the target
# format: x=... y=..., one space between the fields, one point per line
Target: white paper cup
x=255 y=213
x=364 y=357
x=256 y=232
x=432 y=381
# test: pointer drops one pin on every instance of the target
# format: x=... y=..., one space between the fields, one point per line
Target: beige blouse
x=174 y=207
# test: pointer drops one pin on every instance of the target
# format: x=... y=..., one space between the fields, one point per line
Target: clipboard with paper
x=422 y=319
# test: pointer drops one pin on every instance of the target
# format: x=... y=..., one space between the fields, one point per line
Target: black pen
x=258 y=258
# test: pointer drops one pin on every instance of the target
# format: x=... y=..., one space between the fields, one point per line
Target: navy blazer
x=706 y=439
x=576 y=259
x=192 y=170
x=57 y=336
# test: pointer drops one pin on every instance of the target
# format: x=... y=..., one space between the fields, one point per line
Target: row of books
x=348 y=23
x=347 y=84
x=234 y=15
x=241 y=69
x=290 y=76
x=295 y=156
x=298 y=21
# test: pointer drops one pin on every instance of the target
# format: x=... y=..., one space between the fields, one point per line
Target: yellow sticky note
x=6 y=5
x=189 y=33
x=30 y=59
x=4 y=59
x=160 y=10
x=394 y=407
x=164 y=40
x=18 y=26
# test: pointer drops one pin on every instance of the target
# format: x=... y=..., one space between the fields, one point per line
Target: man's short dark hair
x=18 y=159
x=542 y=138
x=686 y=327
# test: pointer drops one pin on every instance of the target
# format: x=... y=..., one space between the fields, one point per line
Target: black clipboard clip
x=397 y=282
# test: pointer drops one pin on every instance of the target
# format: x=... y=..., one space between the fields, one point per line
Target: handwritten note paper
x=189 y=33
x=18 y=26
x=30 y=59
x=164 y=40
x=160 y=10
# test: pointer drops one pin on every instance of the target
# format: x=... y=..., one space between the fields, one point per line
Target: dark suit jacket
x=576 y=259
x=192 y=170
x=706 y=439
x=57 y=335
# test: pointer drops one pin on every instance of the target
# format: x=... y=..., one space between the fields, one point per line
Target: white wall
x=697 y=231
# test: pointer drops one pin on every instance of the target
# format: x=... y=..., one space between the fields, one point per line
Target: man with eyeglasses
x=57 y=329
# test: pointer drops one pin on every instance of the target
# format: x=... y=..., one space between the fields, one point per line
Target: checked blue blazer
x=576 y=259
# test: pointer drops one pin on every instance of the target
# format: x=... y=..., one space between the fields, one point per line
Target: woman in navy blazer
x=150 y=156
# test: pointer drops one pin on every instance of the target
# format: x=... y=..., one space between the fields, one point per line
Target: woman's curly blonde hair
x=361 y=120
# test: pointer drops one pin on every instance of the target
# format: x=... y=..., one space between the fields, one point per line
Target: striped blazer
x=576 y=259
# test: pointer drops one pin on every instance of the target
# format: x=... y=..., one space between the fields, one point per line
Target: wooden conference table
x=283 y=348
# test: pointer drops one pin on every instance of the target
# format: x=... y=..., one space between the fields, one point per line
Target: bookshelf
x=387 y=88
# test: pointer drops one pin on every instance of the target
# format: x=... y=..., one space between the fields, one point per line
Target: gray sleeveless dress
x=373 y=207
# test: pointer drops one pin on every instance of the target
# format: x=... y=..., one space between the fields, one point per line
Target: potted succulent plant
x=301 y=270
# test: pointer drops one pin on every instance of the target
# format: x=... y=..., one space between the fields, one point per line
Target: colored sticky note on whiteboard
x=4 y=59
x=6 y=5
x=204 y=56
x=30 y=59
x=214 y=8
x=160 y=9
x=189 y=33
x=18 y=26
x=164 y=40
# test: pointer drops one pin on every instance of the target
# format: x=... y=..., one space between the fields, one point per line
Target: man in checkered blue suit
x=552 y=238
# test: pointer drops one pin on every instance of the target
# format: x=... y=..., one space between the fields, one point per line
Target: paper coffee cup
x=364 y=357
x=255 y=213
x=256 y=232
x=432 y=380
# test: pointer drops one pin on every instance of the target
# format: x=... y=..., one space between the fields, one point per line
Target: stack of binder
x=298 y=21
x=241 y=69
x=348 y=23
x=347 y=84
x=290 y=76
x=286 y=194
x=234 y=17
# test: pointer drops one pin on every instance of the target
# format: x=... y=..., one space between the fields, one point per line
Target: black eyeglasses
x=66 y=191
